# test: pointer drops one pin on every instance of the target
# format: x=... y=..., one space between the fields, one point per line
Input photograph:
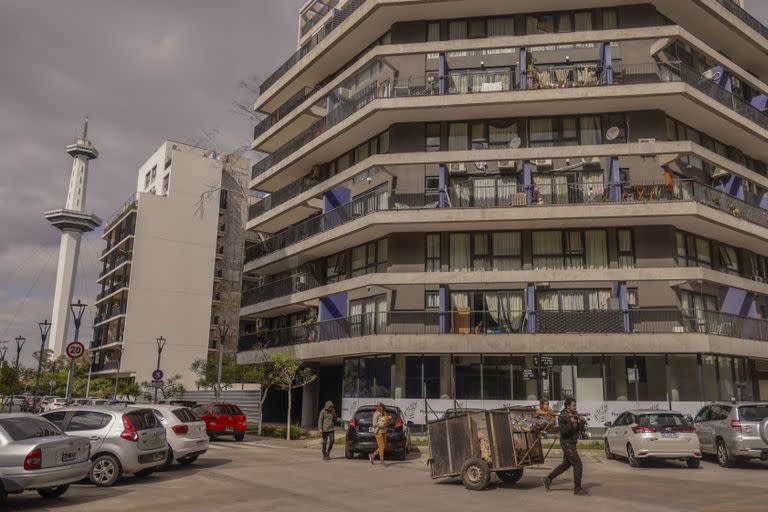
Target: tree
x=289 y=374
x=171 y=388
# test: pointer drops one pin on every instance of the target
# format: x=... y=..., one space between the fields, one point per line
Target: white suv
x=733 y=431
x=122 y=440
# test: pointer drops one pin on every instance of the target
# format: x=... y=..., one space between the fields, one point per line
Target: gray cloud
x=144 y=71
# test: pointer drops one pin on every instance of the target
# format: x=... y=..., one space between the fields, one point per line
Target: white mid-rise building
x=172 y=265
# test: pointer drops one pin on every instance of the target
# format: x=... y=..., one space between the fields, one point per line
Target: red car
x=222 y=420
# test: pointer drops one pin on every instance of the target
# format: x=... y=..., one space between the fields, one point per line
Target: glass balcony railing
x=552 y=77
x=633 y=321
x=280 y=288
x=744 y=16
x=597 y=194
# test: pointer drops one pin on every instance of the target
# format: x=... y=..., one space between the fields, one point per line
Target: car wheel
x=608 y=453
x=724 y=458
x=212 y=437
x=475 y=474
x=186 y=461
x=239 y=436
x=105 y=471
x=510 y=477
x=632 y=458
x=169 y=457
x=53 y=492
x=144 y=473
x=349 y=454
x=693 y=463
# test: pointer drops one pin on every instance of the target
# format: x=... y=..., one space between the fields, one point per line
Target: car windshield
x=30 y=427
x=231 y=410
x=661 y=420
x=185 y=415
x=753 y=412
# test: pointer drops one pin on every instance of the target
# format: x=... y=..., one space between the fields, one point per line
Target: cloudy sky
x=144 y=71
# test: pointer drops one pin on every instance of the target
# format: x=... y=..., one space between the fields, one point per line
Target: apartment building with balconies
x=172 y=265
x=487 y=203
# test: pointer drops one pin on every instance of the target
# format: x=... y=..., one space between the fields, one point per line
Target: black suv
x=360 y=438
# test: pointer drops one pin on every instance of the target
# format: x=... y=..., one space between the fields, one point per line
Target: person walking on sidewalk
x=570 y=426
x=380 y=422
x=325 y=424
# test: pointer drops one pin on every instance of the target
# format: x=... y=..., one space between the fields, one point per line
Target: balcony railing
x=634 y=321
x=470 y=83
x=512 y=196
x=344 y=13
x=285 y=109
x=325 y=8
x=123 y=283
x=280 y=288
x=281 y=196
x=130 y=203
x=744 y=16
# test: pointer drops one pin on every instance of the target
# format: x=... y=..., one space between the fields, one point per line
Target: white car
x=55 y=403
x=648 y=434
x=185 y=432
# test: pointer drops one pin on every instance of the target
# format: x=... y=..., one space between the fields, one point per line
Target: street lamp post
x=19 y=344
x=223 y=331
x=77 y=314
x=160 y=345
x=45 y=328
x=3 y=350
x=117 y=374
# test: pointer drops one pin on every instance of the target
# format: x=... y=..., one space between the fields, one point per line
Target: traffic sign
x=157 y=375
x=157 y=383
x=75 y=350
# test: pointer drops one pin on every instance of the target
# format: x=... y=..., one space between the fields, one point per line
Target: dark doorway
x=330 y=385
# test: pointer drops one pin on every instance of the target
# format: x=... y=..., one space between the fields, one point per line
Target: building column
x=523 y=63
x=528 y=182
x=443 y=308
x=613 y=177
x=442 y=71
x=443 y=185
x=606 y=62
x=332 y=200
x=620 y=292
x=310 y=396
x=530 y=306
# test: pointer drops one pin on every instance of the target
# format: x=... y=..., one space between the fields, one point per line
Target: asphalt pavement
x=275 y=476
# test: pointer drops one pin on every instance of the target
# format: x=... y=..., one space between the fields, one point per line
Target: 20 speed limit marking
x=75 y=350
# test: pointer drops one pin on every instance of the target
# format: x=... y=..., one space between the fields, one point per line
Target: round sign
x=157 y=375
x=75 y=350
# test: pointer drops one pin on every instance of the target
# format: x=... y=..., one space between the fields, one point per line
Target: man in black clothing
x=326 y=423
x=570 y=425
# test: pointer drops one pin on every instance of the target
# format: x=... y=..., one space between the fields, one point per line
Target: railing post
x=523 y=64
x=606 y=62
x=443 y=185
x=530 y=306
x=528 y=182
x=442 y=68
x=443 y=309
x=613 y=177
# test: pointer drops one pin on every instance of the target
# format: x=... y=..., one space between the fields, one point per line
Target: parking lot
x=272 y=475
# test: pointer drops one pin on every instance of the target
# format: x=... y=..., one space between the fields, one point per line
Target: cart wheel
x=475 y=474
x=510 y=477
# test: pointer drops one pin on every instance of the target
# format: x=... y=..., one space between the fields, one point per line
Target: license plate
x=230 y=429
x=669 y=435
x=68 y=456
x=200 y=444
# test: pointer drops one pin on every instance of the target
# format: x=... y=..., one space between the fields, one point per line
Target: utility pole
x=160 y=345
x=19 y=344
x=77 y=314
x=45 y=328
x=223 y=331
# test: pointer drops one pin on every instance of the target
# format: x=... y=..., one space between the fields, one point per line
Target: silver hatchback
x=733 y=431
x=36 y=455
x=123 y=441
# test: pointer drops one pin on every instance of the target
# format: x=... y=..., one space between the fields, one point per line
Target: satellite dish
x=515 y=143
x=613 y=133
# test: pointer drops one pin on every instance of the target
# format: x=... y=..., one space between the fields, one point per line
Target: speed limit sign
x=75 y=350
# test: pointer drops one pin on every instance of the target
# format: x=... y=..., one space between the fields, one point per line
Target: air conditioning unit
x=718 y=173
x=646 y=140
x=457 y=168
x=507 y=164
x=542 y=163
x=344 y=93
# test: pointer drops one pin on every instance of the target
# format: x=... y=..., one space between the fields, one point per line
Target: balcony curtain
x=505 y=308
x=596 y=248
x=500 y=134
x=458 y=137
x=547 y=250
x=571 y=300
x=506 y=251
x=593 y=185
x=505 y=188
x=501 y=27
x=460 y=252
x=598 y=299
x=541 y=133
x=546 y=300
x=457 y=30
x=590 y=130
x=485 y=192
x=459 y=300
x=583 y=21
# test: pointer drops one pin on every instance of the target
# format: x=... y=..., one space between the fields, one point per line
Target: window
x=432 y=263
x=756 y=267
x=87 y=420
x=729 y=259
x=154 y=172
x=337 y=267
x=459 y=252
x=610 y=19
x=166 y=182
x=457 y=30
x=57 y=418
x=433 y=137
x=626 y=248
x=432 y=299
x=22 y=428
x=572 y=300
x=569 y=249
x=368 y=316
x=433 y=31
x=458 y=136
x=468 y=377
x=477 y=29
x=431 y=184
x=481 y=249
x=540 y=24
x=167 y=163
x=485 y=251
x=693 y=251
x=683 y=378
x=507 y=251
x=364 y=259
x=501 y=133
x=497 y=377
x=147 y=179
x=501 y=26
x=375 y=377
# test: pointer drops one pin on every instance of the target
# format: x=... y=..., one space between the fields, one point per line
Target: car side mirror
x=689 y=419
x=608 y=424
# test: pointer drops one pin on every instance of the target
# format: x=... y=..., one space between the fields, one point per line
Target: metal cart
x=475 y=444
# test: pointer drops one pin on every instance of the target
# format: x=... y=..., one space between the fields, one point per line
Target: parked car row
x=102 y=443
x=731 y=431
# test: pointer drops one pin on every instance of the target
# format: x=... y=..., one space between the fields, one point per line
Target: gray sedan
x=36 y=455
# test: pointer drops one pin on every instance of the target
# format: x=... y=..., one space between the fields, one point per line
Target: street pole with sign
x=160 y=345
x=75 y=350
x=19 y=344
x=223 y=331
x=45 y=328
